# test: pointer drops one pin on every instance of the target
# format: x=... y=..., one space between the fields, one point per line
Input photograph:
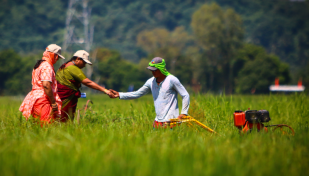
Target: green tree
x=168 y=45
x=31 y=25
x=220 y=33
x=303 y=75
x=10 y=64
x=171 y=46
x=257 y=70
x=15 y=73
x=280 y=26
x=115 y=72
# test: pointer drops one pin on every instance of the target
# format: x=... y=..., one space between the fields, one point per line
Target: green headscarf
x=161 y=67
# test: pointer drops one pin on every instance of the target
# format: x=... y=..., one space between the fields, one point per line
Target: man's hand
x=181 y=116
x=115 y=93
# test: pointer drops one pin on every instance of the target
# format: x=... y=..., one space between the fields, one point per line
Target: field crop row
x=115 y=137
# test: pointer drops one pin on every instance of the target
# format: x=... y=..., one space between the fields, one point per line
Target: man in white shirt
x=165 y=88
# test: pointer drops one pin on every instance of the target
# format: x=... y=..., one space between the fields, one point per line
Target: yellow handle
x=191 y=119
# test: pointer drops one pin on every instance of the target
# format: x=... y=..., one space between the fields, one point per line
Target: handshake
x=112 y=93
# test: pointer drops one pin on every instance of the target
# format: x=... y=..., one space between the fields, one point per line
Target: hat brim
x=87 y=61
x=152 y=68
x=61 y=56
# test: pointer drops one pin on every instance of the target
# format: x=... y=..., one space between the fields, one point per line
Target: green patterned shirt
x=68 y=74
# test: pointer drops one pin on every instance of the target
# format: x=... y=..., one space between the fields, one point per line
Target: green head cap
x=158 y=63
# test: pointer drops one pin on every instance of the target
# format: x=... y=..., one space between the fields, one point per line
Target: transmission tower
x=78 y=29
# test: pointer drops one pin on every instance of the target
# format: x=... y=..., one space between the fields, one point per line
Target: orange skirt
x=42 y=109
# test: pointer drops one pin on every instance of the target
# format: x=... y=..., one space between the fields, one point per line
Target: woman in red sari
x=43 y=101
x=69 y=79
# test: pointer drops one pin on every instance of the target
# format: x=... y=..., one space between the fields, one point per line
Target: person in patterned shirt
x=43 y=101
x=69 y=79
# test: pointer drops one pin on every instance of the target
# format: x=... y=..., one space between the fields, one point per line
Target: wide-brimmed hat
x=84 y=55
x=55 y=49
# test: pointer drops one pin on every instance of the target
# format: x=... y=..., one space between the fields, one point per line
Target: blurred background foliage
x=213 y=46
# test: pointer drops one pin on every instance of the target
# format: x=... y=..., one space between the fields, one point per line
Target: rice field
x=115 y=137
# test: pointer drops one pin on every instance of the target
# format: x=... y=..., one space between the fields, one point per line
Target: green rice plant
x=116 y=138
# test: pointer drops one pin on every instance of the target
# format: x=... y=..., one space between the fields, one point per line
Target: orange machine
x=239 y=119
x=247 y=120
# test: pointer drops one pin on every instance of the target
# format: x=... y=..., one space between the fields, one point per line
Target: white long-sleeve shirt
x=164 y=96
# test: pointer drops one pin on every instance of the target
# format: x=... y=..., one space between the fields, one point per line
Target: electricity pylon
x=78 y=29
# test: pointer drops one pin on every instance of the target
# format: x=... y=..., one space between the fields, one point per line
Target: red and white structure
x=287 y=88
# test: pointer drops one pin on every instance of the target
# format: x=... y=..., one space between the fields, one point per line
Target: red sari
x=69 y=80
x=37 y=102
x=70 y=99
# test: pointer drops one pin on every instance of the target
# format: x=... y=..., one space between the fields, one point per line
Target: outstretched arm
x=185 y=97
x=133 y=95
x=87 y=82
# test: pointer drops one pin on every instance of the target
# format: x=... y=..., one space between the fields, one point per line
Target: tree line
x=280 y=26
x=214 y=57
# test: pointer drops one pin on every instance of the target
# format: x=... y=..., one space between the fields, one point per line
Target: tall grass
x=116 y=138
